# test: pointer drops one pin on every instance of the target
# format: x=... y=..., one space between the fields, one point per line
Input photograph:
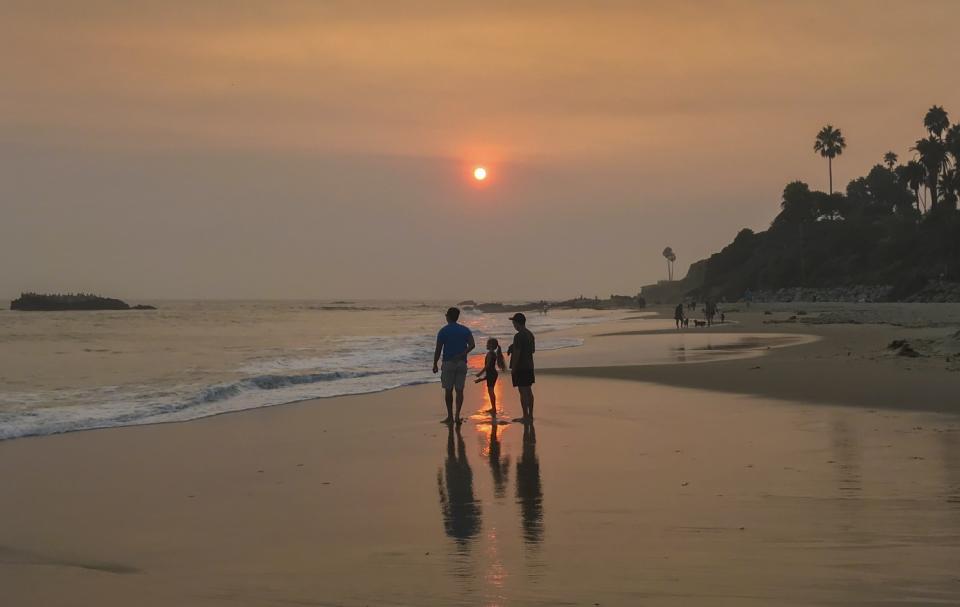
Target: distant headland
x=614 y=302
x=38 y=302
x=892 y=235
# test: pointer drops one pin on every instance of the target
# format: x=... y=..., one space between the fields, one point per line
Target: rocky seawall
x=936 y=292
x=856 y=294
x=931 y=292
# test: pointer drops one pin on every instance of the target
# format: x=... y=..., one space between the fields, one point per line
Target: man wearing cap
x=521 y=364
x=454 y=342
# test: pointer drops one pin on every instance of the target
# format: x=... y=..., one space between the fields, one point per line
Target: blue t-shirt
x=454 y=338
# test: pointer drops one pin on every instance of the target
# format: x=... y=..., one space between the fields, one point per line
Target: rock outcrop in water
x=38 y=302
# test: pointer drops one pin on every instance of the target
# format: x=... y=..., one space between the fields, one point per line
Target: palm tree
x=936 y=121
x=933 y=157
x=914 y=175
x=950 y=187
x=830 y=144
x=890 y=159
x=671 y=257
x=952 y=141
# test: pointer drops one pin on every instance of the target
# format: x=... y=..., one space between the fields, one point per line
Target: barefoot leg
x=459 y=404
x=448 y=400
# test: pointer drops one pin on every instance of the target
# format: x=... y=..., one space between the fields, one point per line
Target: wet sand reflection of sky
x=661 y=346
x=484 y=525
x=648 y=486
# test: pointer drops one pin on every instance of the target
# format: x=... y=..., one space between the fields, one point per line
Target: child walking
x=490 y=372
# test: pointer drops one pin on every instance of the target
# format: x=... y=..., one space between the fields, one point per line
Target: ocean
x=66 y=371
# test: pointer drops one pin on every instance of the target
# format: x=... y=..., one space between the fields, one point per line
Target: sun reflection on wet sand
x=496 y=572
x=482 y=415
x=481 y=550
x=491 y=450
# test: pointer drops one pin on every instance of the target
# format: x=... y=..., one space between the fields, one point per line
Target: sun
x=479 y=173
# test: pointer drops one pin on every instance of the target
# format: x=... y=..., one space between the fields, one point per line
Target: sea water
x=64 y=371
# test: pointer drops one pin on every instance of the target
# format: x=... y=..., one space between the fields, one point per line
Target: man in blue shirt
x=454 y=342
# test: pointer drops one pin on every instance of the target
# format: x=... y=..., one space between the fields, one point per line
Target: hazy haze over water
x=300 y=149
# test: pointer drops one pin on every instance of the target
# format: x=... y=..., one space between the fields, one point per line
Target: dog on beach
x=685 y=323
x=700 y=323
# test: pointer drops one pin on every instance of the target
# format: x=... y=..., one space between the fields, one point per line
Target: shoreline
x=805 y=371
x=78 y=376
x=575 y=338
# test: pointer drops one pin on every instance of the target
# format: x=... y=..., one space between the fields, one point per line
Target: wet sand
x=839 y=355
x=625 y=492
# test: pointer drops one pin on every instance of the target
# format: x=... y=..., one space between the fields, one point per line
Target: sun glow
x=479 y=173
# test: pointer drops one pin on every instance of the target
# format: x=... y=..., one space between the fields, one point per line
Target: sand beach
x=823 y=472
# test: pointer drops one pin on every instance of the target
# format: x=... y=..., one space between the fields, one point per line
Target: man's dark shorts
x=522 y=378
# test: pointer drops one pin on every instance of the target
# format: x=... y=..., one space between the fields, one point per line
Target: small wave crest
x=273 y=382
x=346 y=365
x=192 y=403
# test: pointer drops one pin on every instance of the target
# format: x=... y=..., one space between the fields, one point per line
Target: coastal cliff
x=892 y=235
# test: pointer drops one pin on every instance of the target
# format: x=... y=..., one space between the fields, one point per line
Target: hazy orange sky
x=322 y=149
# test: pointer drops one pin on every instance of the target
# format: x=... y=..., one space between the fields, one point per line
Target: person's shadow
x=529 y=488
x=461 y=511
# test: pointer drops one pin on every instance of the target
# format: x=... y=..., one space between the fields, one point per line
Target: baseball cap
x=519 y=317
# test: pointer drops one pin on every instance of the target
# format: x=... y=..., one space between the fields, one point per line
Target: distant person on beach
x=492 y=365
x=454 y=342
x=709 y=311
x=678 y=315
x=521 y=364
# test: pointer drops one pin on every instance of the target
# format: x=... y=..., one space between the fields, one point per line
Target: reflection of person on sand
x=461 y=512
x=455 y=342
x=490 y=372
x=499 y=469
x=529 y=489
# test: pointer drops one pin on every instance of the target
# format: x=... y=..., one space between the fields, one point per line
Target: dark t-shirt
x=524 y=345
